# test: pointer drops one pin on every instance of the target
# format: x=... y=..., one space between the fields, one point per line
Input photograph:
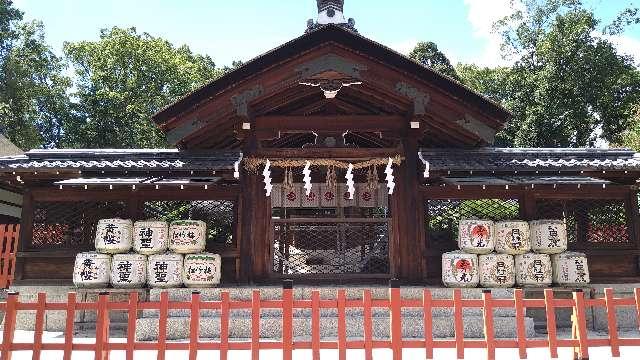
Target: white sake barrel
x=202 y=270
x=548 y=236
x=91 y=270
x=496 y=270
x=533 y=269
x=164 y=270
x=128 y=270
x=570 y=269
x=187 y=236
x=150 y=237
x=459 y=269
x=113 y=236
x=512 y=237
x=476 y=236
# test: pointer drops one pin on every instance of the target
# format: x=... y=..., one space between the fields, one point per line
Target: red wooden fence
x=8 y=247
x=103 y=345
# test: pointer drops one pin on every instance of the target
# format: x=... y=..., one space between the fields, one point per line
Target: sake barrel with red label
x=512 y=237
x=202 y=270
x=164 y=270
x=150 y=237
x=128 y=270
x=476 y=236
x=570 y=269
x=459 y=269
x=187 y=236
x=92 y=270
x=533 y=269
x=113 y=236
x=496 y=270
x=548 y=236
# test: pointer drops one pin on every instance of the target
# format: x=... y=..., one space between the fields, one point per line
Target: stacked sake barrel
x=163 y=256
x=505 y=253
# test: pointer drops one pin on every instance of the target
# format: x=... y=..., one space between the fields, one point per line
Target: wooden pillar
x=26 y=231
x=408 y=223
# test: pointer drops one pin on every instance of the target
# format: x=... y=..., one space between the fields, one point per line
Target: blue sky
x=242 y=29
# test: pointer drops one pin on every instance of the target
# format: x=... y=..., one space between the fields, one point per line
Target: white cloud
x=404 y=46
x=627 y=46
x=482 y=15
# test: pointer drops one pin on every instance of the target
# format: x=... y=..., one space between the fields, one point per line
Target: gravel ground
x=630 y=353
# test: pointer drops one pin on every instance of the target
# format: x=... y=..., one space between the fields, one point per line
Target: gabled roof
x=333 y=34
x=7 y=148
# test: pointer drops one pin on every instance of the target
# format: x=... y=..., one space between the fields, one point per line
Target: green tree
x=33 y=100
x=427 y=54
x=568 y=80
x=124 y=78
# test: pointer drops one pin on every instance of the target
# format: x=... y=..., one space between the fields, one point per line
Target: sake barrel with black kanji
x=533 y=270
x=128 y=270
x=150 y=237
x=202 y=270
x=496 y=270
x=92 y=270
x=164 y=270
x=113 y=236
x=548 y=236
x=570 y=269
x=459 y=269
x=187 y=236
x=512 y=237
x=476 y=236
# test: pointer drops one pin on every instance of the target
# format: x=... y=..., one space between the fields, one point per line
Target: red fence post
x=102 y=327
x=224 y=325
x=287 y=319
x=39 y=328
x=581 y=323
x=427 y=319
x=612 y=322
x=367 y=324
x=637 y=297
x=9 y=326
x=342 y=325
x=315 y=325
x=162 y=325
x=194 y=325
x=551 y=323
x=520 y=330
x=255 y=325
x=132 y=317
x=395 y=305
x=458 y=323
x=70 y=319
x=8 y=246
x=488 y=324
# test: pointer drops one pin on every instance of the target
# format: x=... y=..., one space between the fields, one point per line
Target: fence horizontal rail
x=395 y=304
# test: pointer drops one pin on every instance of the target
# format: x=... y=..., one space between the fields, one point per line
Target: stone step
x=271 y=328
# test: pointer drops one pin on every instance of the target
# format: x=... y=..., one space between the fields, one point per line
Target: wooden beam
x=361 y=123
x=334 y=153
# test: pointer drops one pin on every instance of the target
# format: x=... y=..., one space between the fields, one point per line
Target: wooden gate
x=9 y=246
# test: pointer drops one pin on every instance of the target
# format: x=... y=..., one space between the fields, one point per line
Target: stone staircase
x=271 y=321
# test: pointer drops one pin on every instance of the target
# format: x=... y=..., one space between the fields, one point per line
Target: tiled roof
x=521 y=159
x=523 y=180
x=112 y=159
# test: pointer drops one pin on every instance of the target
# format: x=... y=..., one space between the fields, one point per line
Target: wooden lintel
x=364 y=123
x=334 y=153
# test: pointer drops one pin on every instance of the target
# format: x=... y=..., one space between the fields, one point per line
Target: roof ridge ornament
x=331 y=12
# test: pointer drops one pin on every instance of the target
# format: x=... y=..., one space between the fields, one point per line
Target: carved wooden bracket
x=241 y=101
x=330 y=63
x=480 y=129
x=420 y=99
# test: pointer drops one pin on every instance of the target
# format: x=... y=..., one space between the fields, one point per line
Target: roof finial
x=331 y=12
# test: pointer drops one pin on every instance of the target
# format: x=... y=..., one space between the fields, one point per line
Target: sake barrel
x=496 y=270
x=512 y=237
x=150 y=237
x=533 y=269
x=570 y=269
x=187 y=236
x=548 y=236
x=91 y=270
x=128 y=270
x=459 y=269
x=164 y=270
x=113 y=236
x=476 y=236
x=201 y=270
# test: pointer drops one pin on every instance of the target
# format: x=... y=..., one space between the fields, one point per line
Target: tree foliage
x=427 y=54
x=124 y=78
